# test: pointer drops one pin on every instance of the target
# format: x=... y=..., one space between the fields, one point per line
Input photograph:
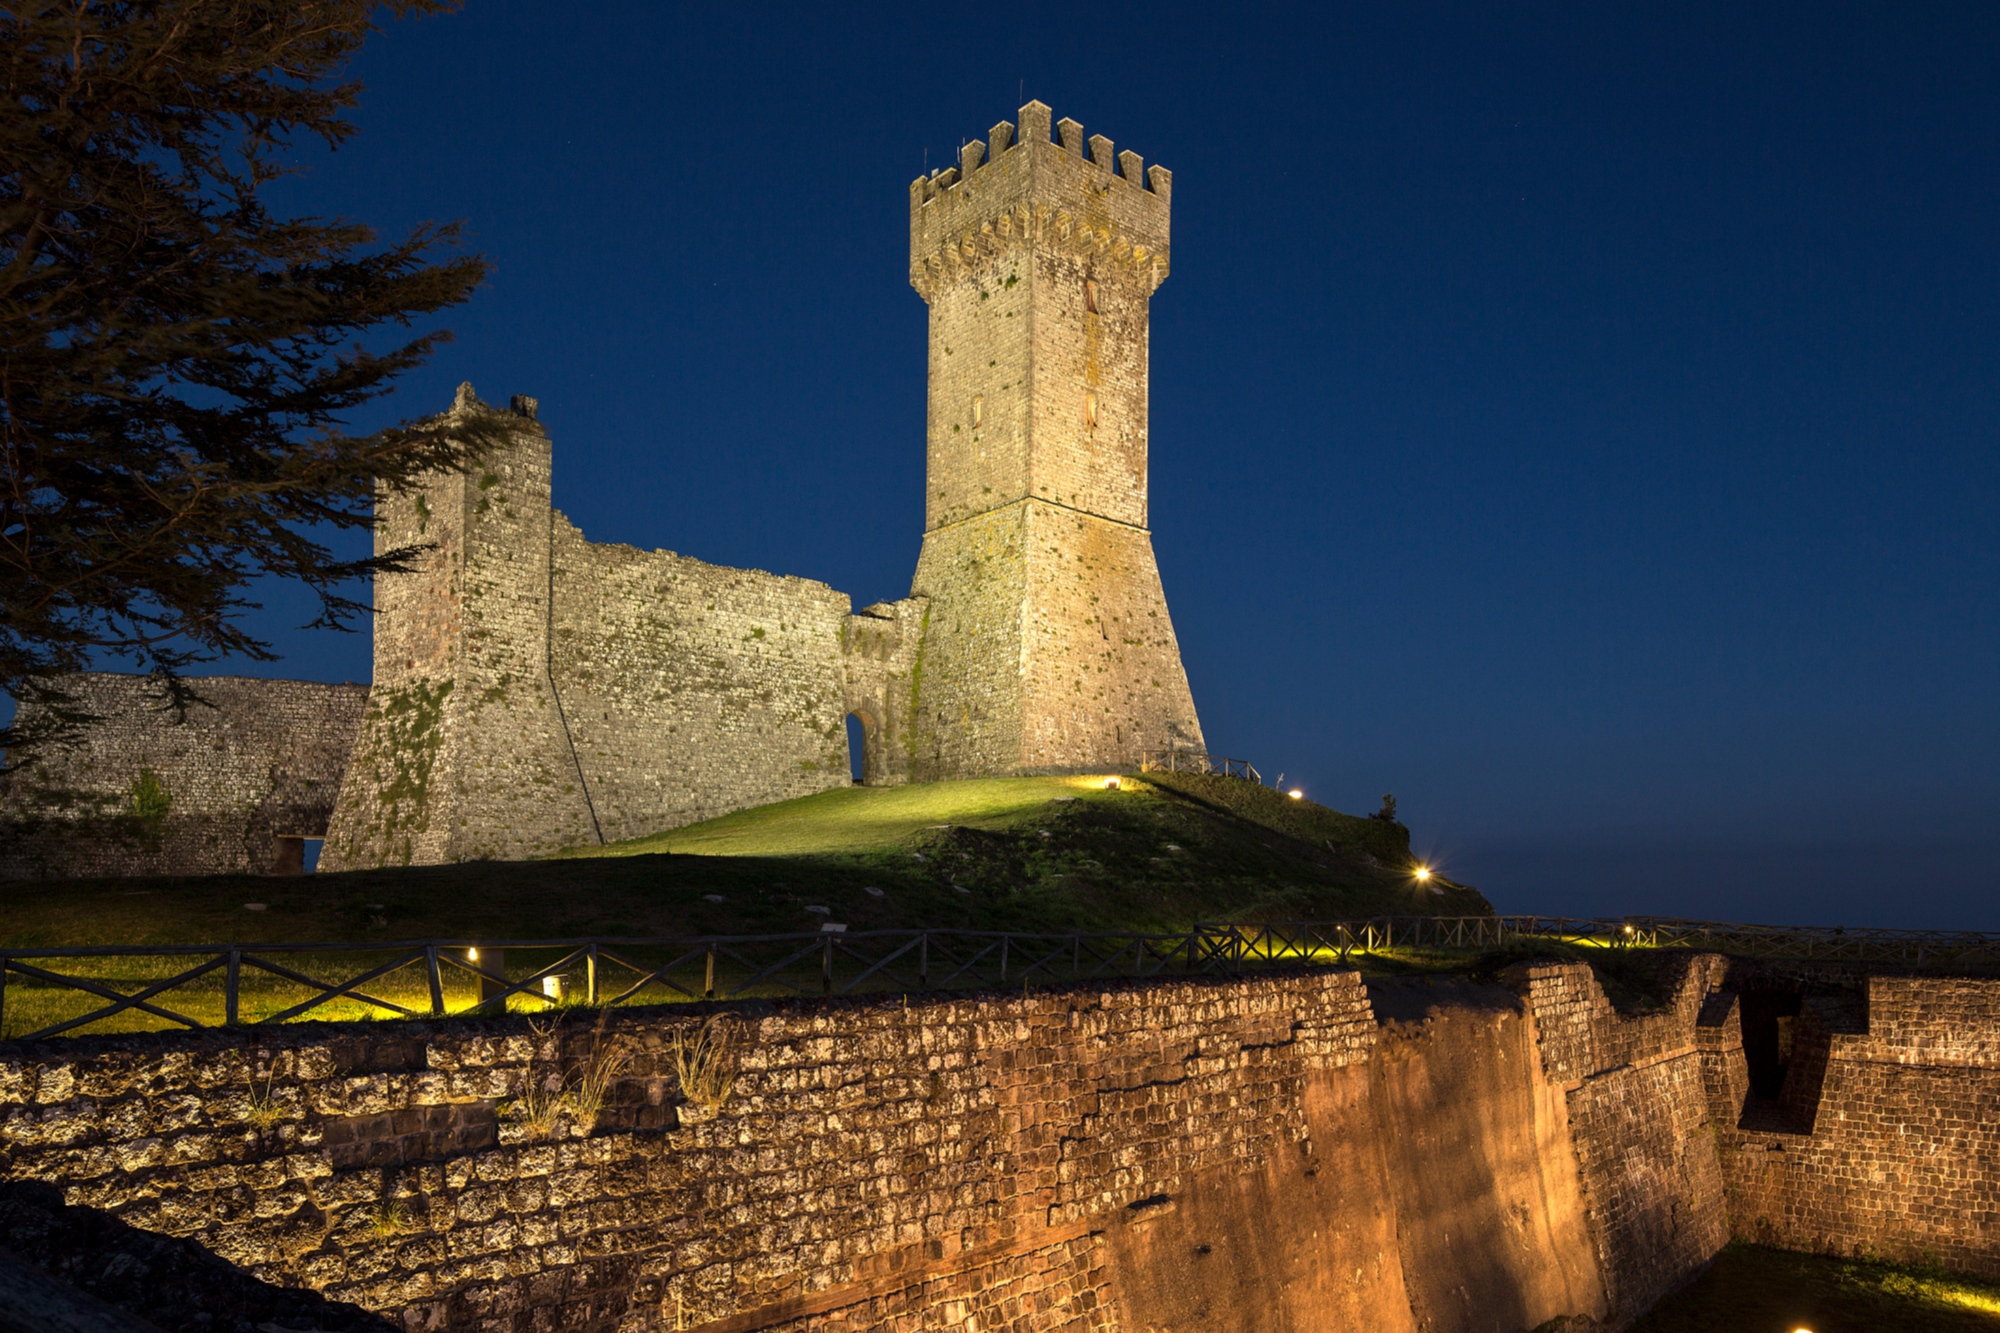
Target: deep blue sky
x=1578 y=420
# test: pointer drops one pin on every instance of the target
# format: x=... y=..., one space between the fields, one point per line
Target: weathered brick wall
x=260 y=760
x=1121 y=1158
x=1049 y=646
x=1890 y=1142
x=1640 y=1119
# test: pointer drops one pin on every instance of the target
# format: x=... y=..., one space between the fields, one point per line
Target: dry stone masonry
x=1281 y=1151
x=236 y=783
x=535 y=691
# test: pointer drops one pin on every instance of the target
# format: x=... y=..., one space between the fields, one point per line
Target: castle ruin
x=535 y=691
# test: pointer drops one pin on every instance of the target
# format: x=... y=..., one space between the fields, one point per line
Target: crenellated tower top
x=1061 y=190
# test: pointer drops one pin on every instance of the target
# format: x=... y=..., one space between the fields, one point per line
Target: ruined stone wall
x=693 y=689
x=1885 y=1138
x=254 y=762
x=535 y=691
x=1219 y=1153
x=464 y=752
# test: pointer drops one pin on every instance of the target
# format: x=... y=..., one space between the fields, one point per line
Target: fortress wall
x=690 y=689
x=1902 y=1155
x=965 y=708
x=463 y=752
x=1639 y=1116
x=263 y=763
x=1292 y=1151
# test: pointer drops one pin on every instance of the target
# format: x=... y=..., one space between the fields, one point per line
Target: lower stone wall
x=212 y=790
x=1279 y=1151
x=1131 y=1157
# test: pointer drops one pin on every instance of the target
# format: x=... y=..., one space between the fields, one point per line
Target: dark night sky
x=1577 y=420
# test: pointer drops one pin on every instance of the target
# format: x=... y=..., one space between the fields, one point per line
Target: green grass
x=1028 y=854
x=860 y=819
x=1754 y=1289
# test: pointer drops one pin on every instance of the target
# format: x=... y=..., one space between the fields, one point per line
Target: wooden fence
x=622 y=971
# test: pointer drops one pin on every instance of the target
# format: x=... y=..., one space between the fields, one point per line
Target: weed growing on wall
x=148 y=797
x=703 y=1066
x=556 y=1096
x=262 y=1111
x=388 y=1219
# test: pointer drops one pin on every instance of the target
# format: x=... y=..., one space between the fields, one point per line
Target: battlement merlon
x=1034 y=189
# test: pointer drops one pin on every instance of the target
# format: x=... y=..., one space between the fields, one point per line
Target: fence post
x=826 y=966
x=232 y=989
x=436 y=980
x=1003 y=956
x=924 y=960
x=590 y=972
x=708 y=991
x=3 y=994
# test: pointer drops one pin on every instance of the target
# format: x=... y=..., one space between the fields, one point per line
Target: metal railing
x=1194 y=761
x=248 y=984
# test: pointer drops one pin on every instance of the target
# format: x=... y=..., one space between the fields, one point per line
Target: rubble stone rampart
x=223 y=786
x=1220 y=1152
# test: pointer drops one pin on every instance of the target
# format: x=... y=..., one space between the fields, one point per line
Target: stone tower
x=464 y=752
x=1046 y=645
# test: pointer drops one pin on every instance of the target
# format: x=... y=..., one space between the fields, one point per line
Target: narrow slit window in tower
x=1090 y=411
x=978 y=410
x=1090 y=296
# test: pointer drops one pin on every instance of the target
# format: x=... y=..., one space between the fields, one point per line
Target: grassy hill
x=999 y=853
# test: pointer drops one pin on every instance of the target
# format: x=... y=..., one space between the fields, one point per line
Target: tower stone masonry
x=1046 y=645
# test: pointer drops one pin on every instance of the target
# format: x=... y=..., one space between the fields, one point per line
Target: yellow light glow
x=1296 y=794
x=472 y=955
x=1111 y=784
x=1423 y=873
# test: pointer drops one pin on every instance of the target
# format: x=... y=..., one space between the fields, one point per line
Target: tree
x=176 y=361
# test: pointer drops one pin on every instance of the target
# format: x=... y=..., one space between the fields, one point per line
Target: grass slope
x=1752 y=1289
x=1002 y=853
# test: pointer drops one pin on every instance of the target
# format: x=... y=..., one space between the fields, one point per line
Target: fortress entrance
x=857 y=749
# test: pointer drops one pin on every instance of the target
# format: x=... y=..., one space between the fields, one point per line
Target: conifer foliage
x=176 y=360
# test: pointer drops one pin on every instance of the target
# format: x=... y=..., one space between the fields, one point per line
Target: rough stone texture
x=1215 y=1153
x=535 y=691
x=1638 y=1114
x=692 y=689
x=463 y=751
x=1049 y=647
x=1891 y=1137
x=258 y=762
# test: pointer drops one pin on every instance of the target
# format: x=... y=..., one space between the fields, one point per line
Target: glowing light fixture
x=1423 y=873
x=1111 y=784
x=472 y=955
x=1296 y=794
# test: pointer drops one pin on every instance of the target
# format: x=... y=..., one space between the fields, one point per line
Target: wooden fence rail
x=627 y=970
